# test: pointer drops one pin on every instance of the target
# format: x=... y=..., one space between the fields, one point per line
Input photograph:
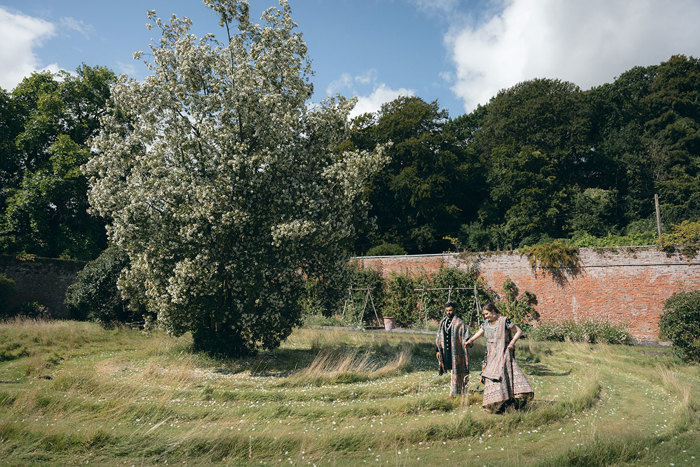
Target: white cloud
x=587 y=43
x=366 y=103
x=437 y=6
x=126 y=68
x=373 y=102
x=67 y=22
x=367 y=77
x=19 y=35
x=447 y=76
x=345 y=81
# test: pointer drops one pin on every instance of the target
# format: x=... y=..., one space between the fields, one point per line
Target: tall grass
x=324 y=397
x=343 y=366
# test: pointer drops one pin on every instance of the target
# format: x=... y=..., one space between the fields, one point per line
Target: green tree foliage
x=386 y=249
x=684 y=236
x=646 y=139
x=10 y=127
x=680 y=323
x=225 y=190
x=593 y=211
x=323 y=297
x=525 y=188
x=46 y=123
x=94 y=294
x=560 y=162
x=672 y=137
x=531 y=140
x=428 y=186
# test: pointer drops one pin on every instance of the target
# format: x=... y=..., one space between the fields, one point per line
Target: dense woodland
x=542 y=160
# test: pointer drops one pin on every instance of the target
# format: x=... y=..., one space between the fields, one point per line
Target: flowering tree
x=222 y=184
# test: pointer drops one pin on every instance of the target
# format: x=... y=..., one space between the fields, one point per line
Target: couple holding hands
x=504 y=382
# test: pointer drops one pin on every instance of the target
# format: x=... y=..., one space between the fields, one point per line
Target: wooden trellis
x=350 y=304
x=477 y=303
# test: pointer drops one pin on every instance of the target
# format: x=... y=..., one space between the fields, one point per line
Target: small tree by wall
x=680 y=323
x=520 y=309
x=401 y=299
x=94 y=294
x=457 y=286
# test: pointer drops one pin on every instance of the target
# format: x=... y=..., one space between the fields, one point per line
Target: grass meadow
x=74 y=393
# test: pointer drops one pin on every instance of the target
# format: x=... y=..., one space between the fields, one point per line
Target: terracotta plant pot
x=389 y=323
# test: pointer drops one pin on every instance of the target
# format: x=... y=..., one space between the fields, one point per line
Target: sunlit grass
x=75 y=393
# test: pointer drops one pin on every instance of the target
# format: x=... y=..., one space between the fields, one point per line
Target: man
x=451 y=354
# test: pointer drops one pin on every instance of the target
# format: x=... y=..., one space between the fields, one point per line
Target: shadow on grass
x=539 y=369
x=284 y=362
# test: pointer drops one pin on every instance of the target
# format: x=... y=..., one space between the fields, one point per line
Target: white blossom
x=222 y=184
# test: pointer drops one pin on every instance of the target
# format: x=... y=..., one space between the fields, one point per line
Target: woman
x=504 y=381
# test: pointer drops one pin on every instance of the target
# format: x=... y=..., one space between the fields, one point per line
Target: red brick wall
x=620 y=285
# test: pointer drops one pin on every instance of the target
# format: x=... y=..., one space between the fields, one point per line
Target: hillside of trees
x=542 y=160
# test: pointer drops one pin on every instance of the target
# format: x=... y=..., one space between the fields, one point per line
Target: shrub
x=684 y=236
x=434 y=300
x=32 y=310
x=94 y=294
x=520 y=310
x=386 y=249
x=680 y=323
x=583 y=239
x=311 y=302
x=363 y=278
x=322 y=298
x=7 y=290
x=554 y=257
x=400 y=299
x=585 y=331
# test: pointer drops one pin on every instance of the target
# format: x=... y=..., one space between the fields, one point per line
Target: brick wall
x=621 y=285
x=41 y=280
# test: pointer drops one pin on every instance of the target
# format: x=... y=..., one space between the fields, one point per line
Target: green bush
x=386 y=249
x=680 y=323
x=552 y=255
x=32 y=310
x=321 y=298
x=685 y=237
x=434 y=300
x=311 y=301
x=7 y=290
x=94 y=294
x=363 y=278
x=583 y=240
x=400 y=299
x=585 y=331
x=521 y=310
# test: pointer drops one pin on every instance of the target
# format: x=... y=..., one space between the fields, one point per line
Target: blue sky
x=460 y=52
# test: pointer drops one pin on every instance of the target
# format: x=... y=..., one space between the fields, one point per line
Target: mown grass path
x=74 y=393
